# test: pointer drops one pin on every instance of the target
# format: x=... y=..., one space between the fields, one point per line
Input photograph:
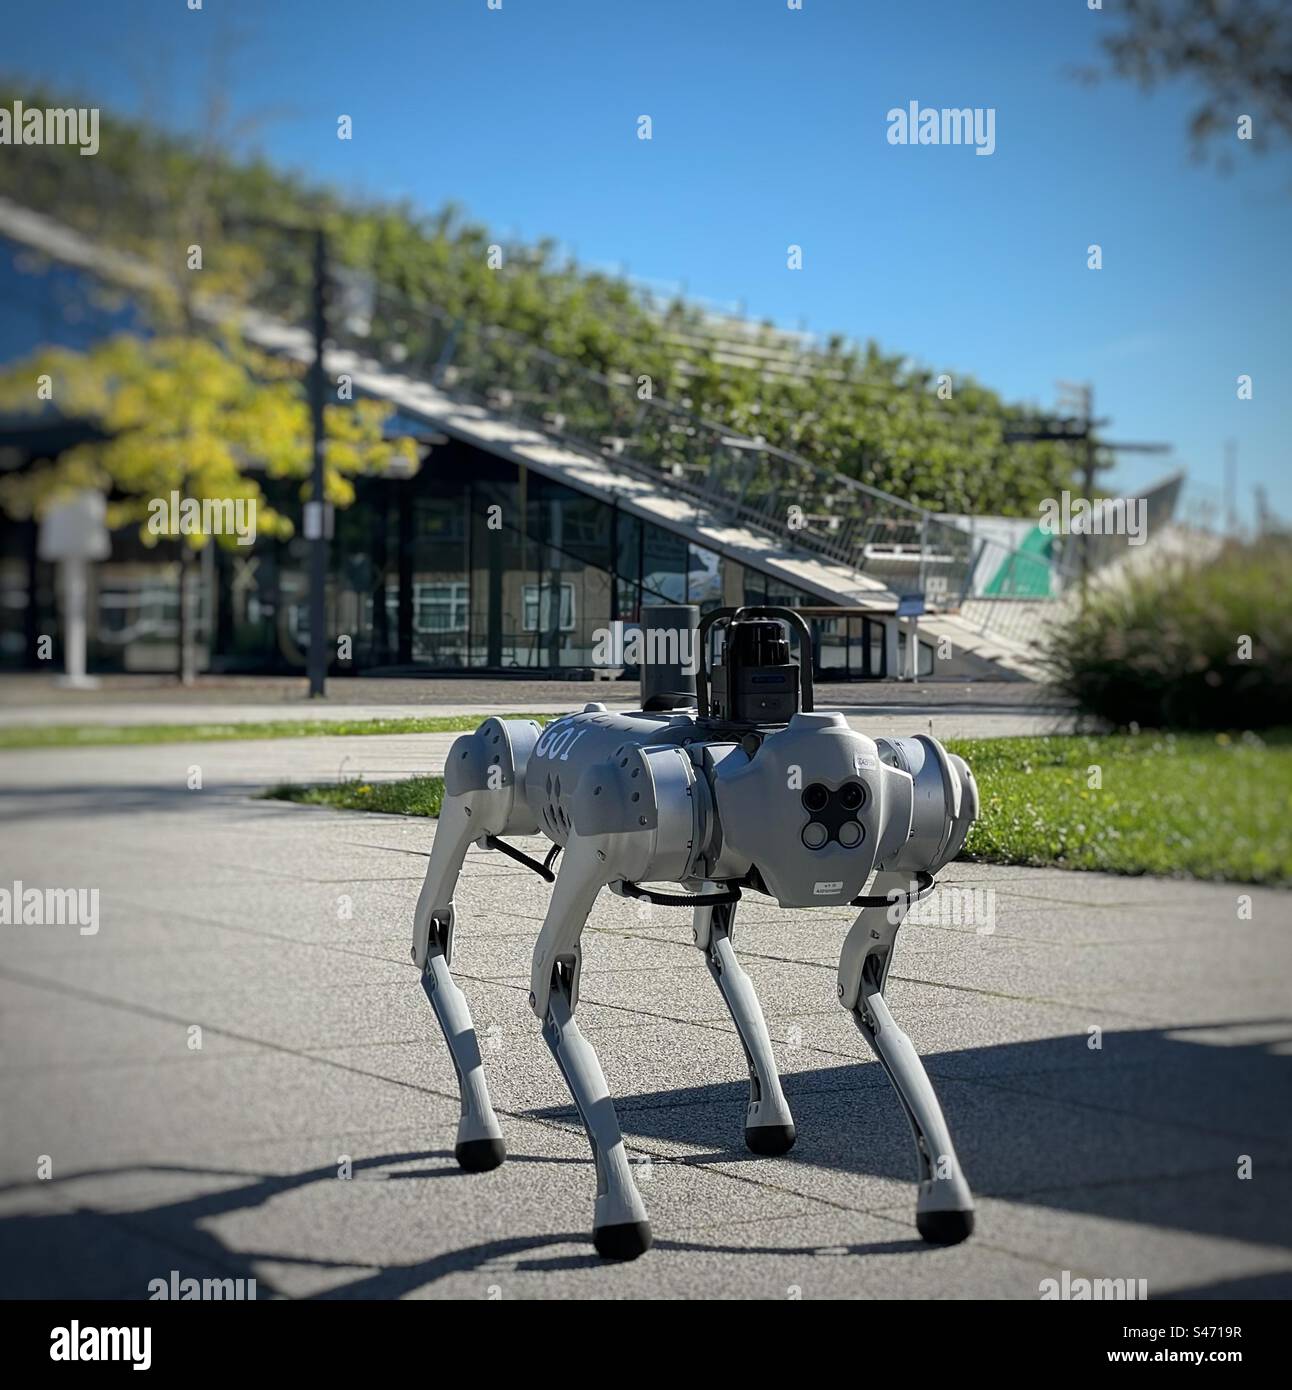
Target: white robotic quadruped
x=751 y=789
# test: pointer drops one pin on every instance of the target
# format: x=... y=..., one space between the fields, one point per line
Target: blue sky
x=769 y=129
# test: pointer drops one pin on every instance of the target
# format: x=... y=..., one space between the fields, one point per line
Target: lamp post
x=317 y=513
x=321 y=527
x=1079 y=430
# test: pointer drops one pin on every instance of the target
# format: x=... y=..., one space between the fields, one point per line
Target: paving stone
x=283 y=932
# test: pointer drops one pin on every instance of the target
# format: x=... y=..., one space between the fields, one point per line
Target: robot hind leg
x=944 y=1209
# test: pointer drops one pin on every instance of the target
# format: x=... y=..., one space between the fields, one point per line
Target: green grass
x=1189 y=806
x=1206 y=806
x=417 y=796
x=109 y=735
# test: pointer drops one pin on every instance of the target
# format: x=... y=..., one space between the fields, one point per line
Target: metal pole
x=75 y=587
x=1231 y=488
x=1088 y=409
x=318 y=654
x=924 y=551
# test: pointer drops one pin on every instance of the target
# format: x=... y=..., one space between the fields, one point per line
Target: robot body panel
x=568 y=746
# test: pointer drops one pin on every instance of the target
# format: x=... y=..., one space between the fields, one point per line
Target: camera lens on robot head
x=815 y=798
x=815 y=834
x=851 y=795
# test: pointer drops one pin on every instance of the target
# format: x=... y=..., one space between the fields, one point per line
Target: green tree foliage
x=1238 y=52
x=870 y=414
x=188 y=414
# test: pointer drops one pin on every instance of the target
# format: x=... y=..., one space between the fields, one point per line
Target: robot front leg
x=479 y=1145
x=944 y=1210
x=620 y=1229
x=769 y=1126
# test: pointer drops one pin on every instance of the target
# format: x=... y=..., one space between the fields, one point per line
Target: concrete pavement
x=282 y=933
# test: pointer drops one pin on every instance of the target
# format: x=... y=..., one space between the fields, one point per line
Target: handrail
x=731 y=475
x=728 y=474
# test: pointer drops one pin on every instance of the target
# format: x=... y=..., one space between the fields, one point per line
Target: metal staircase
x=776 y=511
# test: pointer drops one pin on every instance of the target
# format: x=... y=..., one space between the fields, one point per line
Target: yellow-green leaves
x=184 y=413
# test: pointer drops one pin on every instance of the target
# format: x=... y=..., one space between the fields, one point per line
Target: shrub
x=1165 y=649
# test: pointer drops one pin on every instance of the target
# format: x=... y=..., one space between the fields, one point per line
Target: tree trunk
x=184 y=662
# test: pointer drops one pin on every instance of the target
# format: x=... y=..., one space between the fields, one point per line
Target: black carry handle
x=730 y=894
x=730 y=615
x=924 y=885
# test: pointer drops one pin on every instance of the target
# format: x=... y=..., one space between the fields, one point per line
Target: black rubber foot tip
x=480 y=1155
x=622 y=1242
x=944 y=1227
x=770 y=1139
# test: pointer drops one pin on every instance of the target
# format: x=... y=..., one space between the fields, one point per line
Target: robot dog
x=751 y=790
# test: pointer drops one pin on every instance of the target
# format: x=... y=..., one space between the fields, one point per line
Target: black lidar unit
x=756 y=683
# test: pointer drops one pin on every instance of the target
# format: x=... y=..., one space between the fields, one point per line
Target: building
x=510 y=549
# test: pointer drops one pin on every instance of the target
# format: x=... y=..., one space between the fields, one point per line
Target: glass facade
x=475 y=563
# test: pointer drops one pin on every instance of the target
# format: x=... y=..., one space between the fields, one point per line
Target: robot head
x=816 y=807
x=813 y=808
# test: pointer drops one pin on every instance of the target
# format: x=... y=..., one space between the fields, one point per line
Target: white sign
x=75 y=530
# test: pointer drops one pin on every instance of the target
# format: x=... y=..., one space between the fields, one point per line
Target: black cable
x=925 y=888
x=512 y=852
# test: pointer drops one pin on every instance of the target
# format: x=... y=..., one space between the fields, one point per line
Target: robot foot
x=944 y=1227
x=479 y=1155
x=625 y=1241
x=770 y=1139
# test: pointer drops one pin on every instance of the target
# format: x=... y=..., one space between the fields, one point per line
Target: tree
x=854 y=408
x=1239 y=51
x=188 y=415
